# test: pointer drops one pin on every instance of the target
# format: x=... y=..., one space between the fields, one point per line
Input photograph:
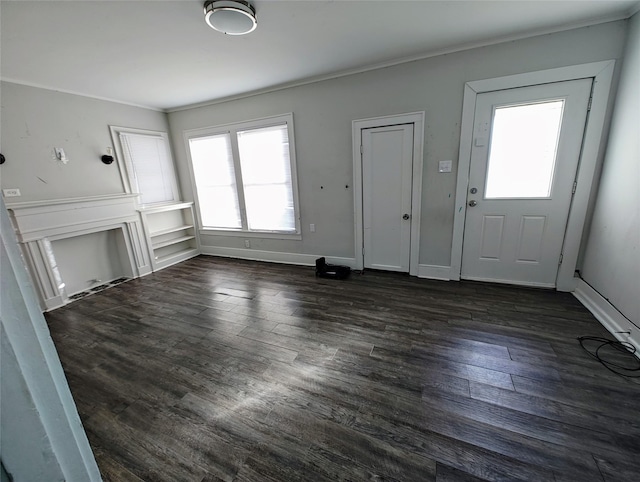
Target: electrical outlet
x=247 y=243
x=312 y=228
x=12 y=192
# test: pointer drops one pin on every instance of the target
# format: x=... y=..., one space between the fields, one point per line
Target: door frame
x=417 y=119
x=602 y=74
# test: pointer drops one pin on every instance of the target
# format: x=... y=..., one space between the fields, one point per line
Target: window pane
x=269 y=207
x=522 y=154
x=215 y=181
x=152 y=167
x=266 y=177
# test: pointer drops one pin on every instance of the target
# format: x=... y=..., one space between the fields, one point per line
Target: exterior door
x=524 y=158
x=387 y=163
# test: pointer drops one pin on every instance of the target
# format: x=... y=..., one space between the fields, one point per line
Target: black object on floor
x=333 y=271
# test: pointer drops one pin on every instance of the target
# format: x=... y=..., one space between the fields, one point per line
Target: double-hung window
x=245 y=176
x=148 y=165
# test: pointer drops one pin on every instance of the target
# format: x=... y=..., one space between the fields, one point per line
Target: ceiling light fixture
x=231 y=17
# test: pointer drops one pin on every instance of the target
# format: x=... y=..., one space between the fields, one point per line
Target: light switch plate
x=445 y=166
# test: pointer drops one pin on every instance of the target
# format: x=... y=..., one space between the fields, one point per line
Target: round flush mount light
x=231 y=17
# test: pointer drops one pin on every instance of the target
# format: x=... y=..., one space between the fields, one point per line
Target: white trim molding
x=602 y=73
x=417 y=119
x=430 y=271
x=275 y=256
x=607 y=314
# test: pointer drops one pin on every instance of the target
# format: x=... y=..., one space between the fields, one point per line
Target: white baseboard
x=424 y=270
x=607 y=314
x=53 y=303
x=431 y=271
x=275 y=256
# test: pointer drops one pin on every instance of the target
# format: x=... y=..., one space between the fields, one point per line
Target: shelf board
x=166 y=207
x=169 y=242
x=175 y=257
x=170 y=230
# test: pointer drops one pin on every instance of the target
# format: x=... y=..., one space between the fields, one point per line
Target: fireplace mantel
x=38 y=223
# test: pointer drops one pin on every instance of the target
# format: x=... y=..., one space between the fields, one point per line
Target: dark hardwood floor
x=231 y=370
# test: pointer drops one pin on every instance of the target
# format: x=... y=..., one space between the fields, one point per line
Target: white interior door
x=387 y=162
x=524 y=158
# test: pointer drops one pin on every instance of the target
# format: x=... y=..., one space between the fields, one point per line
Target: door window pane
x=522 y=154
x=215 y=181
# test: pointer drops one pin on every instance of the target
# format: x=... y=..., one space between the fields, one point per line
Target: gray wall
x=323 y=113
x=34 y=121
x=612 y=258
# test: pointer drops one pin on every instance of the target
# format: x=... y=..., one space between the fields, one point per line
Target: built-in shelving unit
x=171 y=234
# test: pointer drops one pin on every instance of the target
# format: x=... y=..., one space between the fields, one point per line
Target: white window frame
x=231 y=130
x=126 y=169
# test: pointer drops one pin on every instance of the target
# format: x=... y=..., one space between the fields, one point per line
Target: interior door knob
x=405 y=216
x=473 y=202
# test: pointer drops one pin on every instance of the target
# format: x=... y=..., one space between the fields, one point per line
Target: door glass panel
x=522 y=154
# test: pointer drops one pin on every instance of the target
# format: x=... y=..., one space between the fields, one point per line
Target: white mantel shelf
x=38 y=219
x=54 y=202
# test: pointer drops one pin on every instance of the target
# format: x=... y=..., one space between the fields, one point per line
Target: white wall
x=21 y=425
x=611 y=262
x=34 y=121
x=41 y=435
x=323 y=113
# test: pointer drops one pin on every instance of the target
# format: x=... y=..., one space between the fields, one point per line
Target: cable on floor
x=621 y=346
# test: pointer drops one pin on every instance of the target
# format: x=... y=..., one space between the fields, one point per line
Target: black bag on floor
x=333 y=271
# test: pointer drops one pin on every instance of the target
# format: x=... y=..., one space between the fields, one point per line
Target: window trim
x=232 y=129
x=126 y=169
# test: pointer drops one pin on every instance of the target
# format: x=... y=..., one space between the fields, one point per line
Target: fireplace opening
x=89 y=263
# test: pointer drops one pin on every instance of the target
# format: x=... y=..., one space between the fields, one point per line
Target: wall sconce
x=108 y=157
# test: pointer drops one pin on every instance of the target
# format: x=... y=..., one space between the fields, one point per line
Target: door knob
x=405 y=216
x=473 y=202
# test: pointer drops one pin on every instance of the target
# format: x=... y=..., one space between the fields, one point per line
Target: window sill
x=250 y=234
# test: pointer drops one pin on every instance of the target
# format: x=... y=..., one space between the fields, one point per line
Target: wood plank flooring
x=219 y=369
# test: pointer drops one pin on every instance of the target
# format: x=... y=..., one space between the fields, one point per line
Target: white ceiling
x=161 y=54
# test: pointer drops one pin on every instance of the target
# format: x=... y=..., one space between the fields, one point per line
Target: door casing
x=602 y=73
x=417 y=119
